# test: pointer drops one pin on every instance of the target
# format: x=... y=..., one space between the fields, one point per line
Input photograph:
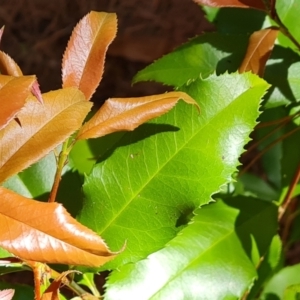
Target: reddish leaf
x=7 y=294
x=83 y=61
x=125 y=114
x=43 y=127
x=260 y=46
x=8 y=66
x=52 y=292
x=13 y=94
x=257 y=4
x=45 y=232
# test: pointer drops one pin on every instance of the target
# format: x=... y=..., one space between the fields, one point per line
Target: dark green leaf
x=271 y=263
x=235 y=20
x=22 y=292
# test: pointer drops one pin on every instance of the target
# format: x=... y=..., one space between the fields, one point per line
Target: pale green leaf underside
x=144 y=193
x=207 y=260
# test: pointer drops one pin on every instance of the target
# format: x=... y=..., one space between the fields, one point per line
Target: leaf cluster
x=184 y=215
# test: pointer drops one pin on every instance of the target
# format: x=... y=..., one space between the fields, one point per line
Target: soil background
x=37 y=32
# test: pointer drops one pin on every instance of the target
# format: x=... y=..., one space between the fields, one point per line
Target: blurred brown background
x=37 y=31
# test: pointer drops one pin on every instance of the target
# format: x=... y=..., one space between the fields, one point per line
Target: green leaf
x=288 y=11
x=294 y=81
x=87 y=279
x=235 y=20
x=272 y=261
x=6 y=268
x=279 y=282
x=290 y=158
x=145 y=192
x=271 y=160
x=257 y=187
x=22 y=291
x=209 y=259
x=201 y=56
x=36 y=181
x=292 y=292
x=4 y=253
x=85 y=153
x=282 y=64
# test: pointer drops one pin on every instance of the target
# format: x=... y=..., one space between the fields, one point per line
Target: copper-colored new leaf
x=40 y=129
x=126 y=114
x=13 y=94
x=45 y=232
x=7 y=294
x=257 y=4
x=260 y=46
x=83 y=61
x=52 y=292
x=8 y=66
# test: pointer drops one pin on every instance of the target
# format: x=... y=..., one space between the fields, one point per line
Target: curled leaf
x=126 y=114
x=13 y=94
x=41 y=128
x=52 y=292
x=83 y=60
x=257 y=4
x=45 y=232
x=259 y=49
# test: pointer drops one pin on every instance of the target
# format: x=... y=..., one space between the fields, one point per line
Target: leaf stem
x=260 y=154
x=282 y=120
x=288 y=197
x=71 y=284
x=61 y=162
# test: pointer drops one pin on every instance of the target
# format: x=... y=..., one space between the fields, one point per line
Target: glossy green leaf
x=288 y=11
x=209 y=259
x=279 y=282
x=201 y=56
x=145 y=192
